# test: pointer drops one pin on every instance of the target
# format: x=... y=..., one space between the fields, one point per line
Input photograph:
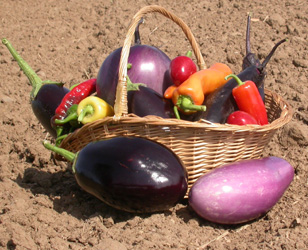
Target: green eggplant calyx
x=70 y=156
x=133 y=86
x=186 y=104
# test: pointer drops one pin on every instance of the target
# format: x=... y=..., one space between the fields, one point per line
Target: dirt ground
x=42 y=207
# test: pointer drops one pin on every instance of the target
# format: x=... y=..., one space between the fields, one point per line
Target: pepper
x=189 y=96
x=248 y=99
x=75 y=96
x=71 y=117
x=93 y=108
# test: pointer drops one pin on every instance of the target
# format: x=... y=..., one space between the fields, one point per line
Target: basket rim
x=129 y=119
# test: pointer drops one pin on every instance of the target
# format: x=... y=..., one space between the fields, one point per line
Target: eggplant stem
x=34 y=79
x=266 y=60
x=137 y=33
x=70 y=156
x=248 y=48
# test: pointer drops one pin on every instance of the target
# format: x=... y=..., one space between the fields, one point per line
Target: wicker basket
x=201 y=145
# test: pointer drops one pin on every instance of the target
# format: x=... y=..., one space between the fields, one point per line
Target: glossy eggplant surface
x=131 y=174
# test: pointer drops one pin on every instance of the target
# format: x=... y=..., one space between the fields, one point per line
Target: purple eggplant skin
x=132 y=174
x=147 y=101
x=242 y=191
x=45 y=103
x=150 y=66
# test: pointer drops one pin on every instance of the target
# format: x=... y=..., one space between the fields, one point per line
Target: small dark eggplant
x=220 y=104
x=132 y=174
x=45 y=95
x=147 y=101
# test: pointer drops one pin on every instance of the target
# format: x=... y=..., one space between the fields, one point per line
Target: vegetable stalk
x=196 y=87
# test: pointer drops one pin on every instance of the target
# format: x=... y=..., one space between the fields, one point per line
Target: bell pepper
x=189 y=96
x=248 y=99
x=93 y=108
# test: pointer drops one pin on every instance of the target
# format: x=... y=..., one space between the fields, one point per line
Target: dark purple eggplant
x=220 y=104
x=132 y=174
x=45 y=95
x=149 y=65
x=147 y=101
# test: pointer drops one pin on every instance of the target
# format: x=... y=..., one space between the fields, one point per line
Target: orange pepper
x=189 y=96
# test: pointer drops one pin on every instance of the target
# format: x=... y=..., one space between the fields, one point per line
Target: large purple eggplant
x=147 y=101
x=129 y=173
x=45 y=96
x=149 y=65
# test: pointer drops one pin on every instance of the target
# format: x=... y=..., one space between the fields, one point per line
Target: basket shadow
x=67 y=196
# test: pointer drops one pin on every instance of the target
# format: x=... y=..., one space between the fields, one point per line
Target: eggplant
x=241 y=191
x=45 y=103
x=147 y=101
x=45 y=95
x=132 y=174
x=149 y=66
x=220 y=103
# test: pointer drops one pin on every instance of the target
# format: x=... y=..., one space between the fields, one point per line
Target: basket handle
x=120 y=106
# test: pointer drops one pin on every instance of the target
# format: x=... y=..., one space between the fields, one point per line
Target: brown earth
x=42 y=207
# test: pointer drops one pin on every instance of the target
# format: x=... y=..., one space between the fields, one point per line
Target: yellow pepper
x=93 y=108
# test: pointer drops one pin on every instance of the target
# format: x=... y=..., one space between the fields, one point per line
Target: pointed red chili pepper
x=75 y=96
x=248 y=99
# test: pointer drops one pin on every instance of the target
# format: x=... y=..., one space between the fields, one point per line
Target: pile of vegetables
x=146 y=176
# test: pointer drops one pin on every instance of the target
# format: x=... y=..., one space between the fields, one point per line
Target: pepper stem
x=186 y=105
x=70 y=156
x=176 y=112
x=70 y=117
x=237 y=79
x=87 y=110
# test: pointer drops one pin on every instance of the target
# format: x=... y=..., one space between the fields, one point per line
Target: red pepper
x=241 y=118
x=248 y=99
x=75 y=96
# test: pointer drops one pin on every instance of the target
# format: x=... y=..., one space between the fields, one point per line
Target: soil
x=41 y=205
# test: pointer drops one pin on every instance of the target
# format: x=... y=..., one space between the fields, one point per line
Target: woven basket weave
x=201 y=145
